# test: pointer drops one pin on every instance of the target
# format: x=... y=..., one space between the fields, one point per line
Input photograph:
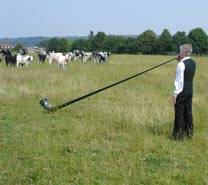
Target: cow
x=86 y=56
x=101 y=57
x=22 y=52
x=23 y=60
x=12 y=60
x=5 y=52
x=41 y=57
x=53 y=57
x=9 y=59
x=63 y=61
x=77 y=55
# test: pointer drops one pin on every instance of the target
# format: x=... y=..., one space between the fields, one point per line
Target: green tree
x=91 y=36
x=130 y=45
x=146 y=42
x=199 y=40
x=165 y=42
x=63 y=45
x=114 y=44
x=18 y=46
x=178 y=39
x=43 y=43
x=90 y=41
x=98 y=40
x=53 y=45
x=80 y=44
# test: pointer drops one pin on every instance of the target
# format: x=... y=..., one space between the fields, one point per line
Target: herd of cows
x=61 y=59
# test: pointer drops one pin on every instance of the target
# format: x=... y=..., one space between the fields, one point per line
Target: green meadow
x=121 y=136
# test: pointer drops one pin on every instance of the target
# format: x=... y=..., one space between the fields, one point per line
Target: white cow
x=70 y=56
x=23 y=60
x=86 y=56
x=53 y=57
x=28 y=58
x=63 y=61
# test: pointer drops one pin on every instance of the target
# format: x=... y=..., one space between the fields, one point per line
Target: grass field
x=121 y=136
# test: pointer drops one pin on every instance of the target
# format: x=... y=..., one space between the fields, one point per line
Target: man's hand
x=174 y=100
x=178 y=58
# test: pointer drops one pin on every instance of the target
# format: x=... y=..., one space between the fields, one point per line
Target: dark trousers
x=183 y=124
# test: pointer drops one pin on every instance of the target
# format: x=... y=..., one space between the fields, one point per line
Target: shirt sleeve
x=179 y=79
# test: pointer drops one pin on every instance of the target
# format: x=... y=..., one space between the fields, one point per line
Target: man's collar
x=185 y=58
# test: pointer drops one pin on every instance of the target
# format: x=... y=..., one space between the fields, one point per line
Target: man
x=183 y=93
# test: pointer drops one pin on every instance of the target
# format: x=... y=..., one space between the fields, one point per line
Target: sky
x=51 y=18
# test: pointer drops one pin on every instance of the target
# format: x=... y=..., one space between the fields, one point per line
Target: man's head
x=185 y=50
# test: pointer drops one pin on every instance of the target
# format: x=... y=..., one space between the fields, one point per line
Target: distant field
x=119 y=136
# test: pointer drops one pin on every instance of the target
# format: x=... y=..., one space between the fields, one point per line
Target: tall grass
x=119 y=136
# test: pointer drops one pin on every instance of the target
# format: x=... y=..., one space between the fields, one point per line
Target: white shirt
x=179 y=79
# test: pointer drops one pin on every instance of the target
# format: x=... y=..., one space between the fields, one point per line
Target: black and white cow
x=86 y=56
x=77 y=55
x=12 y=60
x=9 y=58
x=22 y=52
x=23 y=59
x=101 y=56
x=41 y=57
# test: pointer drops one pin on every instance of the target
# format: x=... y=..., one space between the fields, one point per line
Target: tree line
x=146 y=43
